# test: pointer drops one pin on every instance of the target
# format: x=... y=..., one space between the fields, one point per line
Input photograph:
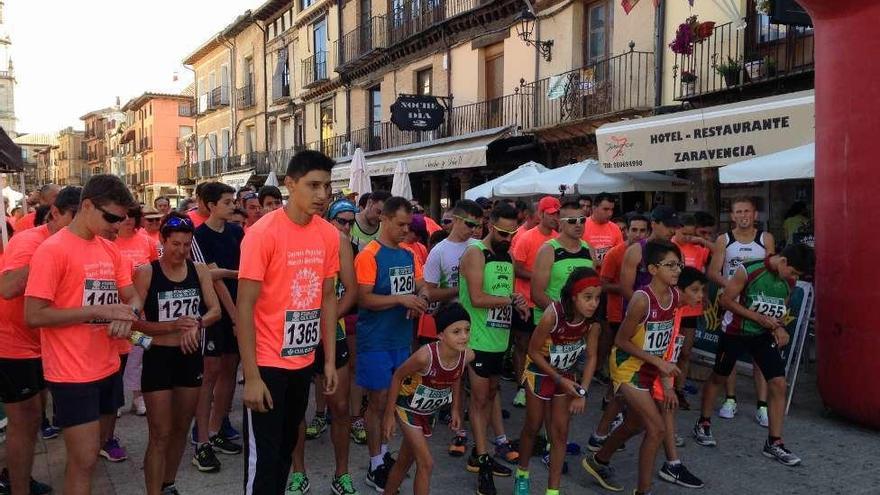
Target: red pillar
x=847 y=205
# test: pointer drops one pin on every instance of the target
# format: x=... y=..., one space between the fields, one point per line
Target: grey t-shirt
x=442 y=265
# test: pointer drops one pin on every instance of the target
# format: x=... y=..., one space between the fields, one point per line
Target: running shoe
x=683 y=403
x=728 y=409
x=602 y=473
x=205 y=459
x=170 y=490
x=377 y=478
x=297 y=484
x=485 y=478
x=546 y=460
x=761 y=417
x=48 y=432
x=475 y=464
x=679 y=475
x=703 y=434
x=138 y=406
x=596 y=442
x=112 y=451
x=519 y=400
x=37 y=488
x=458 y=446
x=225 y=446
x=227 y=431
x=316 y=427
x=358 y=430
x=506 y=452
x=522 y=485
x=508 y=375
x=343 y=485
x=679 y=440
x=777 y=451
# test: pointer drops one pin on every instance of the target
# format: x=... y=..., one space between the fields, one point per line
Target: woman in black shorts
x=179 y=300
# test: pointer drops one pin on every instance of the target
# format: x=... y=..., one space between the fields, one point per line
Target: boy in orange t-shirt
x=74 y=296
x=286 y=305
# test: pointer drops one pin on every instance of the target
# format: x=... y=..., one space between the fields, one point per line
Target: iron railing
x=281 y=84
x=186 y=109
x=244 y=97
x=615 y=84
x=363 y=40
x=498 y=112
x=314 y=68
x=219 y=97
x=410 y=17
x=733 y=56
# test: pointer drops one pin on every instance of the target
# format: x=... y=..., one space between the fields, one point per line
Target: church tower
x=7 y=77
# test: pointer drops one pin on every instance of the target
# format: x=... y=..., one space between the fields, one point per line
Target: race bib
x=302 y=330
x=773 y=307
x=657 y=337
x=676 y=349
x=174 y=304
x=100 y=293
x=601 y=252
x=426 y=400
x=563 y=356
x=402 y=280
x=500 y=317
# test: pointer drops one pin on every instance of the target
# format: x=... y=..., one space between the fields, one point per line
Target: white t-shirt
x=443 y=260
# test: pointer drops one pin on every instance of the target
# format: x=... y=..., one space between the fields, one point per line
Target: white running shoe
x=728 y=409
x=761 y=416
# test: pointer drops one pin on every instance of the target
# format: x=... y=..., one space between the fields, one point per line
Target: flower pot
x=755 y=69
x=688 y=88
x=732 y=78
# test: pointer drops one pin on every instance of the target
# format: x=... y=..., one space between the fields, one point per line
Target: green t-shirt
x=564 y=262
x=362 y=238
x=490 y=327
x=765 y=292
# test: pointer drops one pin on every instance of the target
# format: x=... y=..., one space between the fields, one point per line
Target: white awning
x=467 y=151
x=708 y=137
x=795 y=163
x=528 y=169
x=237 y=180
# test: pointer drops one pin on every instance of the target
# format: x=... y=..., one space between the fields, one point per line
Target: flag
x=628 y=5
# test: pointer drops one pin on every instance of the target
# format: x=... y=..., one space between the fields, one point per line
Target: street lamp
x=525 y=25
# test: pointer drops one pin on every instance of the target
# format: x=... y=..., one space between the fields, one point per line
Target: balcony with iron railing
x=145 y=144
x=410 y=18
x=364 y=40
x=314 y=69
x=186 y=109
x=734 y=57
x=244 y=96
x=281 y=85
x=219 y=97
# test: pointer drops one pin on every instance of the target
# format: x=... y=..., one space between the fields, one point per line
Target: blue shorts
x=375 y=368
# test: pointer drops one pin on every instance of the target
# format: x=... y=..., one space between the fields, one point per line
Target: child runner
x=561 y=336
x=637 y=359
x=427 y=381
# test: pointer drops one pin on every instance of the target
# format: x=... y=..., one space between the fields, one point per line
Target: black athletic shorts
x=488 y=364
x=220 y=339
x=20 y=379
x=689 y=321
x=517 y=324
x=166 y=367
x=81 y=403
x=761 y=347
x=341 y=356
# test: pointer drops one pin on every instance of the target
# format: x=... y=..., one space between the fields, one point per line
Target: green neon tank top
x=564 y=262
x=490 y=327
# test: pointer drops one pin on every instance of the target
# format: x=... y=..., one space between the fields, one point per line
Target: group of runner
x=397 y=320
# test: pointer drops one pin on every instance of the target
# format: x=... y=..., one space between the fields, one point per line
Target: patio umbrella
x=587 y=177
x=793 y=163
x=486 y=190
x=400 y=185
x=272 y=179
x=360 y=179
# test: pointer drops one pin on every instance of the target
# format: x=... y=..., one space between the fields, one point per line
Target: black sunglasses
x=446 y=221
x=504 y=233
x=343 y=222
x=109 y=217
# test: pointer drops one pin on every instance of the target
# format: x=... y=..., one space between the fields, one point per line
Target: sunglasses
x=109 y=217
x=672 y=265
x=574 y=220
x=446 y=221
x=176 y=223
x=470 y=223
x=152 y=220
x=504 y=233
x=343 y=222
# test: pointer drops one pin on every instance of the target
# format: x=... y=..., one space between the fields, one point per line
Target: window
x=248 y=71
x=599 y=23
x=273 y=129
x=283 y=23
x=424 y=81
x=286 y=138
x=319 y=40
x=225 y=138
x=307 y=3
x=212 y=145
x=375 y=114
x=250 y=139
x=298 y=130
x=326 y=122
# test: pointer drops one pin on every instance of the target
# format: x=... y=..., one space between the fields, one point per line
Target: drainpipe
x=262 y=28
x=195 y=117
x=660 y=30
x=232 y=110
x=341 y=48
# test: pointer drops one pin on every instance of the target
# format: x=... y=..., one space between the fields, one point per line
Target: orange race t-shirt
x=525 y=252
x=695 y=256
x=292 y=262
x=418 y=249
x=26 y=222
x=154 y=236
x=602 y=237
x=431 y=226
x=611 y=272
x=74 y=272
x=136 y=250
x=196 y=217
x=17 y=340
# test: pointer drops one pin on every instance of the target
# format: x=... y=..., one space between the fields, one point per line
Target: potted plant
x=769 y=66
x=755 y=69
x=689 y=32
x=764 y=6
x=730 y=70
x=688 y=83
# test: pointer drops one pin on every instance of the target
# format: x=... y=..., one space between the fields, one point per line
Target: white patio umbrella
x=486 y=190
x=272 y=179
x=360 y=179
x=587 y=177
x=793 y=163
x=400 y=185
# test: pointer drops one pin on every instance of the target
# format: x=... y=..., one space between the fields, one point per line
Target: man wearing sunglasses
x=151 y=221
x=76 y=295
x=250 y=203
x=20 y=363
x=525 y=252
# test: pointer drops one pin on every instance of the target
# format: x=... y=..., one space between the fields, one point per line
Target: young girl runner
x=427 y=381
x=564 y=332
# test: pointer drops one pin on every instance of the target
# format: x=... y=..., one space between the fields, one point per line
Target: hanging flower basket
x=690 y=32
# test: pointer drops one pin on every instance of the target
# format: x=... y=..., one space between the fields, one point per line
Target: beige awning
x=467 y=151
x=708 y=137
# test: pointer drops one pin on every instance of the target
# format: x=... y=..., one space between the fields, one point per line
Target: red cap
x=549 y=204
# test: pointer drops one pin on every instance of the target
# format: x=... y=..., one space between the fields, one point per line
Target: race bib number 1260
x=302 y=330
x=402 y=280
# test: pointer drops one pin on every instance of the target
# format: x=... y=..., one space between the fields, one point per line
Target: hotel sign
x=710 y=137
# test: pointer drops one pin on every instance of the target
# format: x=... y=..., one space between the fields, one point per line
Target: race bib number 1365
x=302 y=330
